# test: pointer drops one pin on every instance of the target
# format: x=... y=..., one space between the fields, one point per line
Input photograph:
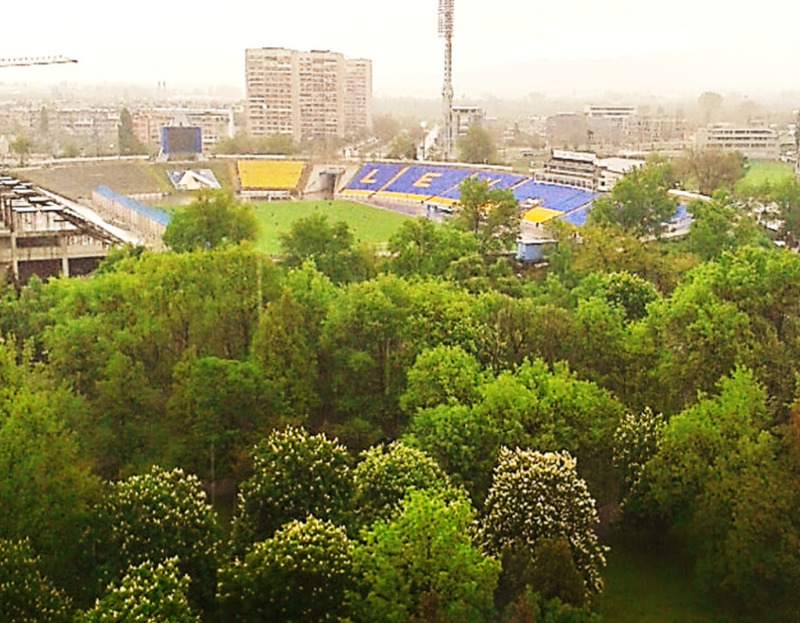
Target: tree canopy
x=215 y=219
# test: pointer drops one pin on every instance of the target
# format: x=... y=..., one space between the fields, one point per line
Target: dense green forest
x=433 y=434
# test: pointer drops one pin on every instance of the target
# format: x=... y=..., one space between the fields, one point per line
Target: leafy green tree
x=719 y=225
x=26 y=595
x=476 y=146
x=215 y=219
x=286 y=341
x=368 y=345
x=786 y=197
x=489 y=213
x=216 y=408
x=302 y=573
x=46 y=484
x=536 y=497
x=22 y=146
x=152 y=518
x=148 y=593
x=718 y=482
x=441 y=375
x=402 y=147
x=331 y=247
x=385 y=474
x=638 y=203
x=294 y=475
x=127 y=143
x=464 y=440
x=278 y=144
x=422 y=566
x=422 y=248
x=709 y=170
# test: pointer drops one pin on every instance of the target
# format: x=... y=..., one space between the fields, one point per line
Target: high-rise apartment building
x=307 y=95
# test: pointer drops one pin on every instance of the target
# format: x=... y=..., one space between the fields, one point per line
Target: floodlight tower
x=446 y=32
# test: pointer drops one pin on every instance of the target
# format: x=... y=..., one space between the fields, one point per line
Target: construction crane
x=35 y=60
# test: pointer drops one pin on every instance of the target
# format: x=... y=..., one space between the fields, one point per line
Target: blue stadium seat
x=373 y=176
x=420 y=181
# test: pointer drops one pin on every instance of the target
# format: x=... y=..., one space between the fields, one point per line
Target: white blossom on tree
x=148 y=593
x=160 y=515
x=387 y=472
x=294 y=475
x=538 y=496
x=302 y=574
x=636 y=440
x=25 y=593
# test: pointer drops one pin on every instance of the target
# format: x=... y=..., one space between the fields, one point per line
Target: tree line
x=426 y=435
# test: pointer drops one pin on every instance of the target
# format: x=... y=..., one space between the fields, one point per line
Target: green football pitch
x=368 y=224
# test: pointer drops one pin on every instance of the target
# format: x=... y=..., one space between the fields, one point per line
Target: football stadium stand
x=438 y=187
x=149 y=221
x=273 y=175
x=420 y=182
x=554 y=196
x=371 y=178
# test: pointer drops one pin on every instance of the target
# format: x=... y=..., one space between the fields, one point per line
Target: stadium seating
x=494 y=179
x=441 y=185
x=554 y=196
x=577 y=217
x=270 y=174
x=540 y=215
x=372 y=177
x=501 y=180
x=419 y=182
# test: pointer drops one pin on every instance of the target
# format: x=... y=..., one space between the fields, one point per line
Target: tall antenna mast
x=446 y=32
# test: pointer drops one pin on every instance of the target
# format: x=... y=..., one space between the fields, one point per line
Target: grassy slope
x=761 y=171
x=650 y=586
x=368 y=224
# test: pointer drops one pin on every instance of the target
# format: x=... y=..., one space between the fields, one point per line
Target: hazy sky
x=203 y=43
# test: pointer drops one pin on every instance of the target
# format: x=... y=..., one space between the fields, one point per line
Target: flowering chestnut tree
x=302 y=573
x=535 y=498
x=148 y=593
x=294 y=475
x=25 y=594
x=156 y=516
x=386 y=473
x=636 y=440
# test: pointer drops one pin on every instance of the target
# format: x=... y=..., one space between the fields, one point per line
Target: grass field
x=650 y=586
x=368 y=224
x=761 y=171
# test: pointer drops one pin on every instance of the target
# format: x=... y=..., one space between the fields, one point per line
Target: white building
x=757 y=143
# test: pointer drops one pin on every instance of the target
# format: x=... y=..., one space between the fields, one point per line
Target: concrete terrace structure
x=307 y=95
x=40 y=235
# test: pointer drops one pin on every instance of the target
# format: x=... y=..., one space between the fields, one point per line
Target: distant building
x=757 y=143
x=307 y=95
x=585 y=170
x=464 y=117
x=358 y=95
x=215 y=124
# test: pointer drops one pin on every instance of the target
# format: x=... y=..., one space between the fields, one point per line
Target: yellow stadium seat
x=541 y=215
x=270 y=174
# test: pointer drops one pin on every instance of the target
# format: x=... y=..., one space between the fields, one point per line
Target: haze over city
x=505 y=48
